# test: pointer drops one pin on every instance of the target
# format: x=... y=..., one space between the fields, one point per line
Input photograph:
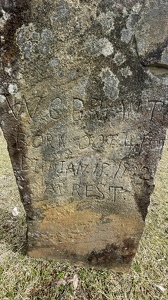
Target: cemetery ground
x=22 y=277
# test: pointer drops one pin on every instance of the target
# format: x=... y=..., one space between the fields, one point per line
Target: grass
x=26 y=278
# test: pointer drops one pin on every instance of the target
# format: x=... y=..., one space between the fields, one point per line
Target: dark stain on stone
x=129 y=248
x=15 y=139
x=114 y=253
x=106 y=5
x=143 y=201
x=19 y=14
x=16 y=147
x=153 y=57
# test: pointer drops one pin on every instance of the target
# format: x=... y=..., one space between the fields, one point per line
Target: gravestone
x=83 y=107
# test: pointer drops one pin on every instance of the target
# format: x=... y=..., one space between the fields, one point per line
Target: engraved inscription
x=94 y=191
x=86 y=178
x=87 y=190
x=56 y=108
x=84 y=142
x=114 y=192
x=129 y=143
x=87 y=166
x=77 y=109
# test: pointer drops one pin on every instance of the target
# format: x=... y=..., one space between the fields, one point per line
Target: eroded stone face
x=84 y=111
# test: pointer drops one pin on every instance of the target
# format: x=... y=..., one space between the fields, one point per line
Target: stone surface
x=83 y=108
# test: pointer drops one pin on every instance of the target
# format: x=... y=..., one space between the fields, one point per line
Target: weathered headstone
x=84 y=109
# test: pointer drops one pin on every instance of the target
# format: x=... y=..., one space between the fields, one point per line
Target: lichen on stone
x=100 y=46
x=111 y=82
x=107 y=22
